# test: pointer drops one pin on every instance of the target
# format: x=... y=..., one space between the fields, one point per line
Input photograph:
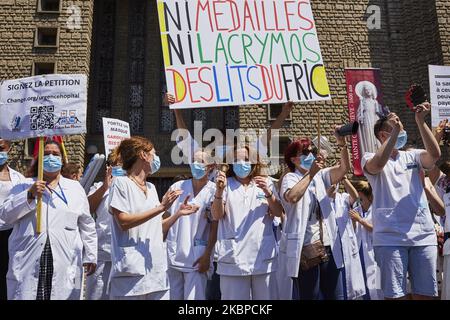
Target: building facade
x=117 y=44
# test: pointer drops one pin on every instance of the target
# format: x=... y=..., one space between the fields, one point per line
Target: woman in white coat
x=362 y=216
x=310 y=219
x=191 y=239
x=138 y=254
x=353 y=272
x=245 y=205
x=8 y=179
x=97 y=284
x=49 y=265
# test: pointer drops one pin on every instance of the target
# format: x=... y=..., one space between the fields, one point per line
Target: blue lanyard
x=62 y=196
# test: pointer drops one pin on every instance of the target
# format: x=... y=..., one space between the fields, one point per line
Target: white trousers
x=283 y=280
x=257 y=287
x=160 y=295
x=445 y=295
x=97 y=283
x=187 y=285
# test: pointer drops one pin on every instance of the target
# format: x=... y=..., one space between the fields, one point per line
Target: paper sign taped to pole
x=114 y=131
x=439 y=93
x=45 y=105
x=225 y=53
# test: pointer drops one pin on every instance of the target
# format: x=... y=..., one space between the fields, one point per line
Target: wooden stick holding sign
x=63 y=147
x=40 y=177
x=319 y=140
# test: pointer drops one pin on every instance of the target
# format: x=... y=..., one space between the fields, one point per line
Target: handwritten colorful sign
x=233 y=52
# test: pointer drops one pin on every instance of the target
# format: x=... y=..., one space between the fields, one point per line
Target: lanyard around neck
x=61 y=195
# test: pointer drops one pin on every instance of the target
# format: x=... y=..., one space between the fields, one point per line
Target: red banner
x=365 y=105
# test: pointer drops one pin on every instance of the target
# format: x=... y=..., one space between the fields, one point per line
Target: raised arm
x=278 y=123
x=375 y=165
x=350 y=189
x=218 y=206
x=295 y=194
x=435 y=201
x=337 y=173
x=96 y=197
x=433 y=152
x=169 y=99
x=435 y=173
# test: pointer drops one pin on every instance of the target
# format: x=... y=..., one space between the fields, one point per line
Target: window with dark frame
x=103 y=61
x=274 y=110
x=136 y=62
x=46 y=37
x=283 y=142
x=49 y=6
x=40 y=68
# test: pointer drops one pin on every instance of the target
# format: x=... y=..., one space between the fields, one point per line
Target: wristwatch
x=269 y=196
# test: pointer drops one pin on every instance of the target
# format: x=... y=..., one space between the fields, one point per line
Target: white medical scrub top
x=103 y=225
x=188 y=236
x=246 y=243
x=138 y=255
x=401 y=216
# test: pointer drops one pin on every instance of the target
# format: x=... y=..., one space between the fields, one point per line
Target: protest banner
x=114 y=131
x=43 y=106
x=365 y=105
x=40 y=106
x=223 y=53
x=439 y=93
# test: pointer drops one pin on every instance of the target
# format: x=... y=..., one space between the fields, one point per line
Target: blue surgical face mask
x=198 y=170
x=242 y=169
x=401 y=140
x=156 y=164
x=118 y=172
x=3 y=157
x=306 y=162
x=52 y=163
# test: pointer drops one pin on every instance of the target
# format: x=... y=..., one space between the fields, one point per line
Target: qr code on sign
x=42 y=117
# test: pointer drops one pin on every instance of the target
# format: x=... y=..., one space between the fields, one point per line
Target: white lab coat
x=354 y=277
x=297 y=220
x=372 y=270
x=71 y=230
x=16 y=178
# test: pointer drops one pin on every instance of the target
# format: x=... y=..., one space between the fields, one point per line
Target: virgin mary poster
x=365 y=105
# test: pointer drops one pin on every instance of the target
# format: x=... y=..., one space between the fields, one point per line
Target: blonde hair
x=363 y=187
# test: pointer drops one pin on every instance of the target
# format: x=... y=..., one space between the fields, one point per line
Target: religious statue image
x=369 y=111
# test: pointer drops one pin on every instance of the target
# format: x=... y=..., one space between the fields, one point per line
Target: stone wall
x=413 y=34
x=18 y=22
